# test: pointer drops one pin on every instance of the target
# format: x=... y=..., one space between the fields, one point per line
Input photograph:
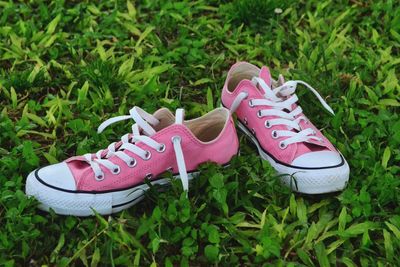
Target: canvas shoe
x=113 y=179
x=268 y=113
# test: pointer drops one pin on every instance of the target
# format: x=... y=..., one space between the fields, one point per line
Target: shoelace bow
x=144 y=121
x=281 y=100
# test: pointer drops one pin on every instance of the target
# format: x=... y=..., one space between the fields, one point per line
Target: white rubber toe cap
x=57 y=175
x=318 y=159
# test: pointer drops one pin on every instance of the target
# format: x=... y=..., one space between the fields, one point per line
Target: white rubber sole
x=84 y=203
x=307 y=181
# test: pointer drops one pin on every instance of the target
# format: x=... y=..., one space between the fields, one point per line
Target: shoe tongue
x=265 y=74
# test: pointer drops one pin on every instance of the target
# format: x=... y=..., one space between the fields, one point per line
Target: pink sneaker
x=268 y=114
x=113 y=179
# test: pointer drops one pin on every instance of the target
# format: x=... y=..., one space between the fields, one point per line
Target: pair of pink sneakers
x=113 y=179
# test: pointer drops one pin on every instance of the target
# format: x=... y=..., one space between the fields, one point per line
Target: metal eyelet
x=149 y=176
x=267 y=124
x=99 y=177
x=259 y=115
x=161 y=148
x=132 y=163
x=176 y=137
x=116 y=170
x=251 y=103
x=282 y=145
x=253 y=131
x=147 y=156
x=245 y=121
x=274 y=134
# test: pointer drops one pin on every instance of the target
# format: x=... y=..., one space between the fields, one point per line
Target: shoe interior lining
x=241 y=72
x=209 y=126
x=205 y=128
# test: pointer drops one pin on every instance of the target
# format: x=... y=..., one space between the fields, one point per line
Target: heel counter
x=225 y=98
x=227 y=144
x=233 y=141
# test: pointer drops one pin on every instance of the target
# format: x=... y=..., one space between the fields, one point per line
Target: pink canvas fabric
x=220 y=150
x=247 y=113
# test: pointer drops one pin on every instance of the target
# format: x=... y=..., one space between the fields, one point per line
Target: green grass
x=66 y=66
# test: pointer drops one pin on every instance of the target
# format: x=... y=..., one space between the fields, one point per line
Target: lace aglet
x=331 y=111
x=100 y=129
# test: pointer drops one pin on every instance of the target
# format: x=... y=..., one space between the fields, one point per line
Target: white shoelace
x=143 y=121
x=281 y=99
